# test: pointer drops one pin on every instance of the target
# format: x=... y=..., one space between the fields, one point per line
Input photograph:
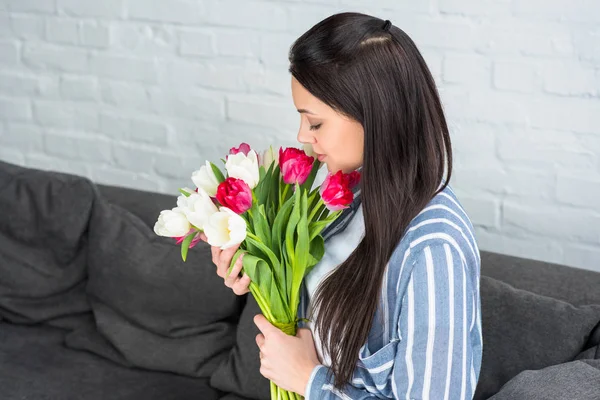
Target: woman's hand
x=222 y=259
x=286 y=360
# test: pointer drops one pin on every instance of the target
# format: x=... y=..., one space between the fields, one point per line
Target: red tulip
x=235 y=194
x=295 y=165
x=336 y=190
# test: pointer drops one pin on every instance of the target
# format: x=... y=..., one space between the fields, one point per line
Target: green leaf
x=183 y=192
x=290 y=239
x=185 y=245
x=218 y=173
x=278 y=230
x=317 y=250
x=307 y=185
x=302 y=250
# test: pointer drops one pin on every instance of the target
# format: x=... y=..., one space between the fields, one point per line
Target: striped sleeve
x=434 y=358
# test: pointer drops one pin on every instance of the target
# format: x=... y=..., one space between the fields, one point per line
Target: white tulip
x=198 y=207
x=225 y=229
x=205 y=178
x=172 y=223
x=269 y=157
x=244 y=167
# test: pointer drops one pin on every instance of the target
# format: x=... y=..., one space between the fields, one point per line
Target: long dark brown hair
x=378 y=78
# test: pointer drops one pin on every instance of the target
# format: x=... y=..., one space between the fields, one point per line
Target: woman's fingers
x=241 y=285
x=233 y=276
x=224 y=261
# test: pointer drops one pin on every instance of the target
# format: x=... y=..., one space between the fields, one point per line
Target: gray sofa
x=94 y=306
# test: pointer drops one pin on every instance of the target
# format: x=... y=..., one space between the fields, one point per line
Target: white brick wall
x=139 y=92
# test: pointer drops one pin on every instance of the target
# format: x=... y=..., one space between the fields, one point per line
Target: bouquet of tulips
x=267 y=205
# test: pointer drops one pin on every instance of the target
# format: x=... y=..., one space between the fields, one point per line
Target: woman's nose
x=305 y=137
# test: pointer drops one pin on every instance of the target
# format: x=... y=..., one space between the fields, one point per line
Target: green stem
x=315 y=210
x=285 y=190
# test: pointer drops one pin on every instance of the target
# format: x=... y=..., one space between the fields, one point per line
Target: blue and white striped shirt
x=430 y=344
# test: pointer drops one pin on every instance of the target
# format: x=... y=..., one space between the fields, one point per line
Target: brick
x=12 y=155
x=194 y=43
x=586 y=40
x=269 y=81
x=186 y=104
x=257 y=111
x=565 y=113
x=115 y=176
x=545 y=149
x=233 y=43
x=476 y=7
x=64 y=31
x=275 y=48
x=524 y=37
x=123 y=67
x=15 y=109
x=36 y=6
x=24 y=137
x=102 y=9
x=9 y=53
x=134 y=129
x=442 y=34
x=94 y=35
x=27 y=26
x=482 y=211
x=467 y=69
x=434 y=59
x=176 y=11
x=134 y=158
x=79 y=88
x=268 y=16
x=64 y=116
x=563 y=10
x=580 y=191
x=492 y=107
x=582 y=256
x=78 y=148
x=396 y=5
x=570 y=78
x=509 y=182
x=18 y=84
x=52 y=163
x=524 y=245
x=126 y=95
x=516 y=76
x=55 y=58
x=143 y=39
x=303 y=17
x=551 y=221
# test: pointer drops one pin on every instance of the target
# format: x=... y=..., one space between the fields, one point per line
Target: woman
x=398 y=287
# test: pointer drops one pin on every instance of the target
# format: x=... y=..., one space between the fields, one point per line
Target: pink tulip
x=243 y=148
x=336 y=190
x=295 y=165
x=235 y=194
x=194 y=241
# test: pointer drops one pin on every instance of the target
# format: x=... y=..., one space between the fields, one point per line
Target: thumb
x=264 y=325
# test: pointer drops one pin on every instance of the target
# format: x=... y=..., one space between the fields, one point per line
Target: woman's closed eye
x=315 y=127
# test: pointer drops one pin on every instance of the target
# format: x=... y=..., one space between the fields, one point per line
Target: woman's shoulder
x=442 y=221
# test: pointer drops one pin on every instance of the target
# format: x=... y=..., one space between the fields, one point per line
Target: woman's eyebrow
x=302 y=110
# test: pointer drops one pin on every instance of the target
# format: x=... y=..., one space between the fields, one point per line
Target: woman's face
x=338 y=140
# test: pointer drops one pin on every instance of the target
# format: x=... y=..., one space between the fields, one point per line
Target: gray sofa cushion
x=158 y=312
x=34 y=364
x=527 y=331
x=576 y=380
x=43 y=245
